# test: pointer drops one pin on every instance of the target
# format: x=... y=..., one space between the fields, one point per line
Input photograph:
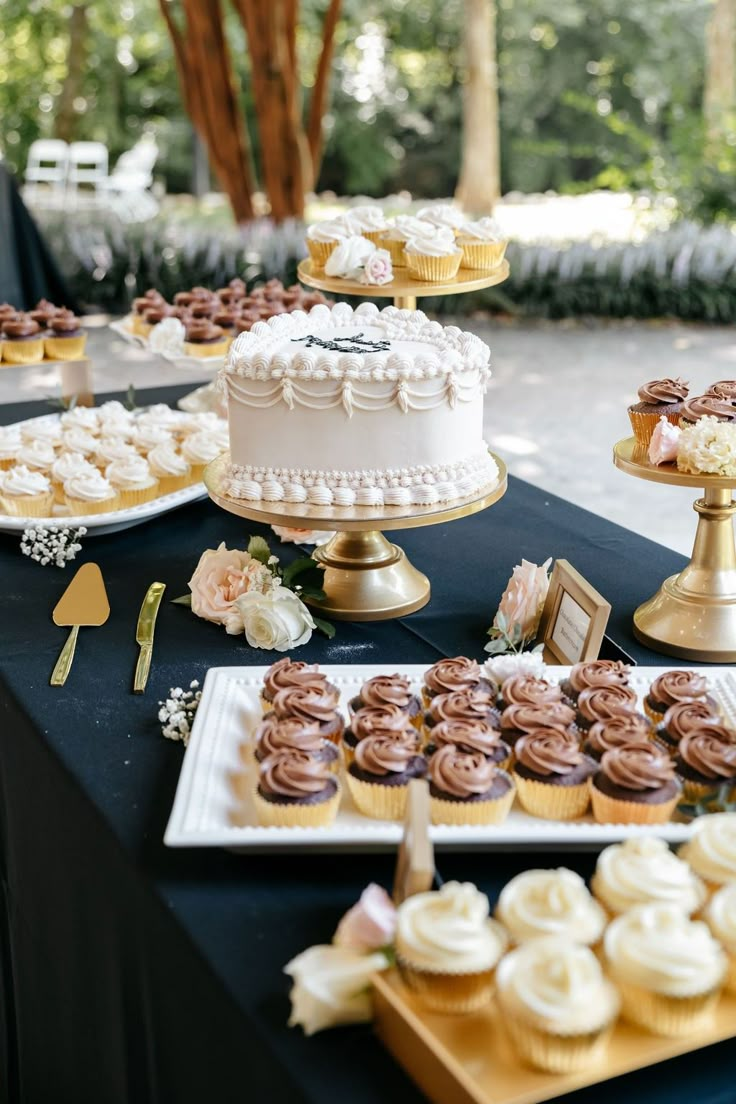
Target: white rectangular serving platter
x=211 y=364
x=208 y=813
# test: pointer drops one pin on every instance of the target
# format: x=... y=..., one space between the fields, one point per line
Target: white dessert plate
x=208 y=813
x=97 y=525
x=209 y=364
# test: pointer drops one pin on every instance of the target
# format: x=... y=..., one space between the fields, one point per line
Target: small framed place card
x=574 y=617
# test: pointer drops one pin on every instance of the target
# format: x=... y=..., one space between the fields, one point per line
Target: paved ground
x=556 y=405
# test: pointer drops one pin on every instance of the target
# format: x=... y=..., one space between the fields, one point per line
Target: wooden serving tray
x=468 y=1059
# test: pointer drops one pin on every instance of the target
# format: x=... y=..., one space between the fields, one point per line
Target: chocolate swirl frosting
x=710 y=751
x=599 y=703
x=461 y=773
x=202 y=330
x=463 y=705
x=638 y=767
x=677 y=686
x=387 y=690
x=293 y=774
x=527 y=718
x=274 y=736
x=381 y=720
x=548 y=751
x=65 y=322
x=684 y=717
x=624 y=728
x=702 y=406
x=22 y=326
x=307 y=703
x=453 y=674
x=467 y=735
x=599 y=672
x=723 y=389
x=664 y=391
x=287 y=674
x=385 y=754
x=527 y=690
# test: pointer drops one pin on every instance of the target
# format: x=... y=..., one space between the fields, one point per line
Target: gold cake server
x=144 y=634
x=84 y=602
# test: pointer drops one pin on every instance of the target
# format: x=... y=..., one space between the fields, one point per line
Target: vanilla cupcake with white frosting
x=37 y=455
x=668 y=969
x=396 y=235
x=368 y=220
x=550 y=902
x=10 y=442
x=447 y=947
x=147 y=436
x=47 y=430
x=323 y=237
x=89 y=493
x=80 y=417
x=66 y=465
x=161 y=415
x=445 y=215
x=720 y=916
x=482 y=243
x=642 y=870
x=205 y=421
x=432 y=255
x=25 y=493
x=133 y=480
x=199 y=450
x=557 y=1005
x=112 y=448
x=81 y=440
x=171 y=469
x=711 y=849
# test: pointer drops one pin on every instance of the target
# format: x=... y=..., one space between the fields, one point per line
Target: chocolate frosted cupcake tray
x=122 y=327
x=208 y=811
x=468 y=1060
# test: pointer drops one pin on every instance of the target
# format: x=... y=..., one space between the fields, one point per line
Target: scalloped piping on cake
x=449 y=392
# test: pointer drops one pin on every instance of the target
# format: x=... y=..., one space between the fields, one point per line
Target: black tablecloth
x=133 y=974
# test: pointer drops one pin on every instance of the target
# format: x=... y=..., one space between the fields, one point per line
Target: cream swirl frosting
x=330 y=230
x=89 y=486
x=308 y=703
x=720 y=916
x=449 y=930
x=69 y=463
x=467 y=736
x=710 y=752
x=79 y=440
x=403 y=226
x=550 y=902
x=723 y=389
x=386 y=754
x=165 y=460
x=366 y=216
x=624 y=728
x=21 y=481
x=273 y=736
x=37 y=454
x=548 y=752
x=42 y=430
x=659 y=948
x=382 y=720
x=10 y=441
x=528 y=690
x=708 y=406
x=599 y=672
x=527 y=718
x=83 y=417
x=148 y=436
x=387 y=690
x=643 y=870
x=201 y=448
x=677 y=686
x=598 y=703
x=557 y=985
x=638 y=767
x=432 y=243
x=461 y=773
x=463 y=705
x=443 y=215
x=664 y=391
x=449 y=675
x=293 y=774
x=114 y=448
x=711 y=849
x=483 y=230
x=683 y=717
x=129 y=472
x=287 y=673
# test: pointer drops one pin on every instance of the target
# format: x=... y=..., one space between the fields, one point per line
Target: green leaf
x=497 y=646
x=317 y=594
x=185 y=600
x=500 y=621
x=130 y=403
x=258 y=549
x=325 y=627
x=297 y=567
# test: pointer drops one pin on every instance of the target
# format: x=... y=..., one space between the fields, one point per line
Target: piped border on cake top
x=445 y=349
x=420 y=485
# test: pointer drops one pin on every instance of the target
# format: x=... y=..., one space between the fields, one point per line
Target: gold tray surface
x=349 y=518
x=468 y=1059
x=467 y=279
x=630 y=457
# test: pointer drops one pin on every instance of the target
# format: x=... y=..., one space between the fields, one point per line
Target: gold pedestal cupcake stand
x=693 y=614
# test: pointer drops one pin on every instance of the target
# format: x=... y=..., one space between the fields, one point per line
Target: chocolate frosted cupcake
x=315 y=705
x=464 y=705
x=377 y=720
x=22 y=340
x=528 y=690
x=636 y=784
x=595 y=673
x=204 y=339
x=625 y=728
x=673 y=687
x=273 y=736
x=467 y=788
x=379 y=776
x=289 y=674
x=389 y=690
x=451 y=675
x=552 y=775
x=657 y=398
x=296 y=791
x=64 y=338
x=681 y=718
x=600 y=703
x=471 y=736
x=706 y=406
x=705 y=760
x=517 y=720
x=43 y=312
x=723 y=389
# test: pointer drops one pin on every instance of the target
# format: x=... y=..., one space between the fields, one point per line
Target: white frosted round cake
x=366 y=407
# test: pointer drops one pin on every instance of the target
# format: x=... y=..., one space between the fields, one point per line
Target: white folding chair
x=127 y=185
x=48 y=162
x=88 y=165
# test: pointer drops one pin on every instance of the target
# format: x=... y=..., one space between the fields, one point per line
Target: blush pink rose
x=523 y=599
x=378 y=268
x=289 y=535
x=221 y=577
x=370 y=924
x=664 y=443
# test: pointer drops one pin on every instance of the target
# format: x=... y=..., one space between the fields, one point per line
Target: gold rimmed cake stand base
x=693 y=614
x=367 y=578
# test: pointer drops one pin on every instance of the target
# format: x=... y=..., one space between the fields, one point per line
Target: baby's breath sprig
x=53 y=544
x=177 y=712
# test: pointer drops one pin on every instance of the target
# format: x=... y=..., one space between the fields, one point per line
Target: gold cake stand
x=366 y=577
x=403 y=290
x=693 y=614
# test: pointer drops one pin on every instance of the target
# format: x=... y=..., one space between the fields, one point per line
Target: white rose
x=348 y=258
x=167 y=337
x=332 y=985
x=275 y=621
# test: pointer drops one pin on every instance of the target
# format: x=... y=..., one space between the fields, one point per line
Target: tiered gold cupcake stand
x=693 y=614
x=366 y=577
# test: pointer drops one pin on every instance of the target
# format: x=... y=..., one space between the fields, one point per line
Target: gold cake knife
x=144 y=634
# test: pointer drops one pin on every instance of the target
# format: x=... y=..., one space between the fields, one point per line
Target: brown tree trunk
x=208 y=89
x=66 y=118
x=719 y=97
x=320 y=91
x=479 y=185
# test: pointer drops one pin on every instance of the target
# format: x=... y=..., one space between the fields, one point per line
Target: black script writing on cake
x=355 y=344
